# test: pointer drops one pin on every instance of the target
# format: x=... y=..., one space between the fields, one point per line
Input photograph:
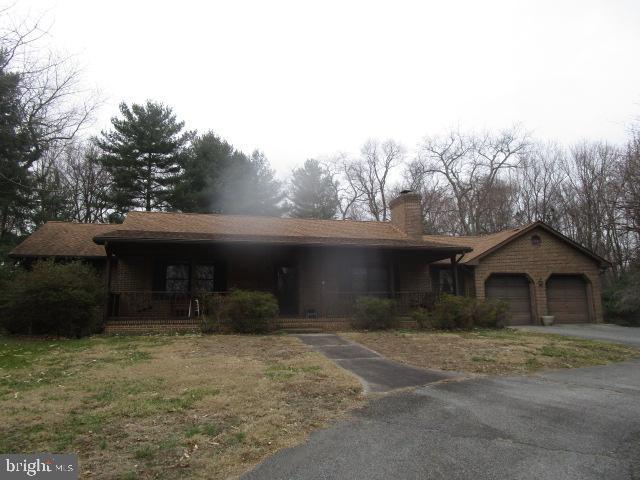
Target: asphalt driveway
x=569 y=424
x=600 y=331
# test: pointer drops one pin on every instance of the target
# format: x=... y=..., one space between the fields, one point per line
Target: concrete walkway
x=377 y=373
x=592 y=331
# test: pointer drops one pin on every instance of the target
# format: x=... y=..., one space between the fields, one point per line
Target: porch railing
x=328 y=304
x=339 y=304
x=153 y=305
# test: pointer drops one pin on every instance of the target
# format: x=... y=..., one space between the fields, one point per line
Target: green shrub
x=422 y=317
x=250 y=311
x=374 y=313
x=491 y=313
x=215 y=313
x=51 y=298
x=621 y=300
x=464 y=313
x=453 y=312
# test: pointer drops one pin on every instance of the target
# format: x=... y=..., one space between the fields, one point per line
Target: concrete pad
x=383 y=375
x=337 y=352
x=319 y=339
x=377 y=373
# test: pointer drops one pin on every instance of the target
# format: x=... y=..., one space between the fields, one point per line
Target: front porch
x=151 y=286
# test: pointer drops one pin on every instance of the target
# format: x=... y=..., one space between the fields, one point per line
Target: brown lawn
x=500 y=352
x=166 y=406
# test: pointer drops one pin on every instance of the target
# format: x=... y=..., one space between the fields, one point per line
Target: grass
x=166 y=406
x=496 y=352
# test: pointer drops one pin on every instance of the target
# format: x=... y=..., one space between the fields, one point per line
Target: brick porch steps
x=312 y=325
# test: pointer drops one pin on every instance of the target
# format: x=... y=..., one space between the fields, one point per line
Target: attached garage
x=515 y=290
x=567 y=299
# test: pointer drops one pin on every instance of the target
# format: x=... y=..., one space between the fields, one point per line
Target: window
x=369 y=279
x=445 y=280
x=377 y=279
x=177 y=278
x=359 y=279
x=536 y=241
x=204 y=278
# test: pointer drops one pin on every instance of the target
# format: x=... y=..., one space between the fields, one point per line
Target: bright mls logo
x=39 y=465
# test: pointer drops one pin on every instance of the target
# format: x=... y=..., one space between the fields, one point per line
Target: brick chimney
x=406 y=213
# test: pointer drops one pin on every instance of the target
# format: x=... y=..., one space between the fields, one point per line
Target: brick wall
x=552 y=256
x=132 y=274
x=406 y=214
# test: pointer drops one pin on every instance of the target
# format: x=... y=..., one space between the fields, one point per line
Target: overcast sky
x=305 y=79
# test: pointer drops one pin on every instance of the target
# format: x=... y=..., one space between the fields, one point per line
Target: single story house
x=157 y=265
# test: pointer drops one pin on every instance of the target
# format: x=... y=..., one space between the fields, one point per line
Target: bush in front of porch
x=374 y=313
x=244 y=311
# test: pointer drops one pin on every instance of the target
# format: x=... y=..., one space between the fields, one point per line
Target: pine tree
x=313 y=193
x=204 y=172
x=16 y=153
x=253 y=188
x=217 y=178
x=143 y=153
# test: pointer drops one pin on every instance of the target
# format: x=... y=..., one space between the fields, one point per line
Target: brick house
x=157 y=266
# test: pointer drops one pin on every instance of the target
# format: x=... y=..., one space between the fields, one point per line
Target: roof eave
x=44 y=255
x=101 y=240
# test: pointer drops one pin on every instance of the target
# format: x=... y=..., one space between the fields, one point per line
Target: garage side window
x=536 y=241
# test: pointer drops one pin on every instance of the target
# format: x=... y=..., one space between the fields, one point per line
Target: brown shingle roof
x=244 y=228
x=484 y=244
x=479 y=243
x=64 y=239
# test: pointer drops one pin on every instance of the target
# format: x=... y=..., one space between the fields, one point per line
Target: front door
x=287 y=290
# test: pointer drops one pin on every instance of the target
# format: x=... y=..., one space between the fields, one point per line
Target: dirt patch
x=496 y=352
x=167 y=407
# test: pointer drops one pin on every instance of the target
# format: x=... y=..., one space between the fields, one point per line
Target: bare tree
x=591 y=192
x=539 y=184
x=87 y=183
x=48 y=193
x=370 y=175
x=56 y=103
x=630 y=202
x=346 y=190
x=472 y=166
x=438 y=205
x=53 y=107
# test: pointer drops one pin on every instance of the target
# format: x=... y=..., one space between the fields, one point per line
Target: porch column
x=108 y=286
x=392 y=277
x=454 y=269
x=192 y=286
